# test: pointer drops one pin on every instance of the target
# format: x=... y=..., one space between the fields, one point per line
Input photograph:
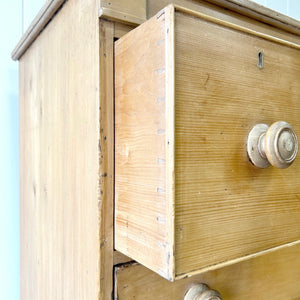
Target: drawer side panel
x=143 y=227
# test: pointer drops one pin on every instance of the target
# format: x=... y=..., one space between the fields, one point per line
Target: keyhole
x=260 y=63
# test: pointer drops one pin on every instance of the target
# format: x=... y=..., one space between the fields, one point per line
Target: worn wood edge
x=112 y=14
x=120 y=258
x=106 y=157
x=170 y=134
x=116 y=269
x=234 y=261
x=125 y=266
x=37 y=25
x=237 y=27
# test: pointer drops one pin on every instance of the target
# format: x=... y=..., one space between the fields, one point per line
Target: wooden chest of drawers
x=188 y=90
x=134 y=136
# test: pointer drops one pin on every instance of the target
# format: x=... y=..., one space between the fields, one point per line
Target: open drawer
x=188 y=90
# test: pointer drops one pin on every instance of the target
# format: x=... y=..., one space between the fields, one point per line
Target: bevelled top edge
x=45 y=14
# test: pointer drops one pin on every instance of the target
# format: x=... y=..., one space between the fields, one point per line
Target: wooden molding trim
x=237 y=27
x=105 y=12
x=37 y=25
x=129 y=11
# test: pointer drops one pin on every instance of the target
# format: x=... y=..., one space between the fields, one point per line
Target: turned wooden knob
x=276 y=145
x=202 y=292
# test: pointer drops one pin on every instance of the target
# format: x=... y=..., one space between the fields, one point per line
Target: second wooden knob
x=202 y=292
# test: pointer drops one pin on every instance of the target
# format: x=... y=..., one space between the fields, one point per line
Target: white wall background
x=30 y=8
x=15 y=17
x=10 y=29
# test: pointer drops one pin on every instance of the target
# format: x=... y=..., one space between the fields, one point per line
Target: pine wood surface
x=66 y=240
x=106 y=159
x=223 y=202
x=136 y=12
x=129 y=11
x=140 y=154
x=225 y=209
x=246 y=15
x=49 y=9
x=59 y=158
x=273 y=276
x=120 y=258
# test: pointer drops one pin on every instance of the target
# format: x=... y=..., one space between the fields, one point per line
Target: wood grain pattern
x=226 y=210
x=136 y=12
x=59 y=158
x=271 y=38
x=274 y=276
x=106 y=157
x=120 y=258
x=141 y=134
x=249 y=15
x=222 y=201
x=66 y=222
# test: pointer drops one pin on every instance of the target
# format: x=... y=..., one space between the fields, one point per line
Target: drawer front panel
x=223 y=202
x=189 y=88
x=274 y=276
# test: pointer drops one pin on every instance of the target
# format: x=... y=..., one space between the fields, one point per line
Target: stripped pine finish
x=225 y=209
x=129 y=11
x=67 y=151
x=274 y=276
x=106 y=156
x=59 y=158
x=151 y=93
x=137 y=11
x=246 y=14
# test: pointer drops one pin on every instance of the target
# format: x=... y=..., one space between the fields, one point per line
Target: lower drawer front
x=272 y=276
